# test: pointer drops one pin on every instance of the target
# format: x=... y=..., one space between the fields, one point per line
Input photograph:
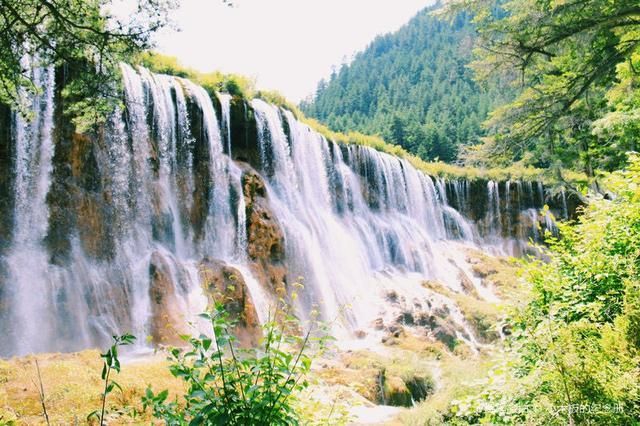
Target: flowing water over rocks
x=182 y=197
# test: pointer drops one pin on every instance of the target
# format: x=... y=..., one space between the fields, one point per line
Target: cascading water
x=165 y=198
x=27 y=260
x=225 y=105
x=351 y=253
x=494 y=215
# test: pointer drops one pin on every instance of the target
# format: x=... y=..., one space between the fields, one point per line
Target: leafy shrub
x=576 y=358
x=214 y=81
x=233 y=386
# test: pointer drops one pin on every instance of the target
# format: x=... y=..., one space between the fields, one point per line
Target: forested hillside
x=413 y=88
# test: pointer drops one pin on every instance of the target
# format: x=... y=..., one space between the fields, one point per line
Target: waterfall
x=160 y=196
x=225 y=104
x=540 y=189
x=27 y=260
x=565 y=209
x=352 y=252
x=507 y=202
x=494 y=215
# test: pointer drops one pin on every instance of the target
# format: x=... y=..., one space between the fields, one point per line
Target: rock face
x=244 y=133
x=434 y=321
x=79 y=202
x=167 y=319
x=472 y=199
x=443 y=332
x=265 y=238
x=220 y=282
x=225 y=284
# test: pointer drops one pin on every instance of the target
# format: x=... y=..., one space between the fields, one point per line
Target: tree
x=81 y=33
x=403 y=81
x=566 y=55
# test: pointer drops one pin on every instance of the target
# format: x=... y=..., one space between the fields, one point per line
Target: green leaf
x=206 y=343
x=114 y=384
x=94 y=414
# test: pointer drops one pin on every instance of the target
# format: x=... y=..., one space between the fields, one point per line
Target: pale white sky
x=287 y=45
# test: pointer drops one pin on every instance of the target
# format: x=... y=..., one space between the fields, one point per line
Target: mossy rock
x=400 y=391
x=446 y=334
x=420 y=387
x=485 y=326
x=395 y=392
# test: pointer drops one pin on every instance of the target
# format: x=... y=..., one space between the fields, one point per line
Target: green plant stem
x=104 y=395
x=235 y=364
x=293 y=369
x=219 y=354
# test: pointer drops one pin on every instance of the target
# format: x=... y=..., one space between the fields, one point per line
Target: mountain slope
x=413 y=88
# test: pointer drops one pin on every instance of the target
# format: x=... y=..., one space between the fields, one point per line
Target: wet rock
x=484 y=327
x=467 y=285
x=225 y=284
x=360 y=334
x=94 y=226
x=6 y=178
x=445 y=333
x=93 y=205
x=167 y=320
x=244 y=133
x=420 y=387
x=423 y=319
x=442 y=312
x=378 y=324
x=201 y=169
x=390 y=341
x=79 y=203
x=396 y=330
x=406 y=318
x=392 y=296
x=265 y=237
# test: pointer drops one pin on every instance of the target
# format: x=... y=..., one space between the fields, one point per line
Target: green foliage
x=576 y=350
x=568 y=56
x=413 y=88
x=618 y=129
x=234 y=386
x=215 y=81
x=111 y=362
x=81 y=34
x=5 y=422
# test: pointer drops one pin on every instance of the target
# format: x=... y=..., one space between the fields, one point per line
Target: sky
x=286 y=45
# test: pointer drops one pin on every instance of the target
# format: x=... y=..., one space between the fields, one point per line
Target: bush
x=232 y=386
x=576 y=356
